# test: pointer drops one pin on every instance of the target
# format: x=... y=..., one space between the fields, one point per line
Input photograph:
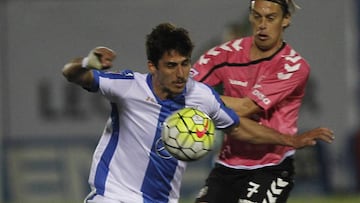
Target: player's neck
x=163 y=93
x=257 y=53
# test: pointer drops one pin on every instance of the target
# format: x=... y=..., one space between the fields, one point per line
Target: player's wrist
x=92 y=61
x=85 y=62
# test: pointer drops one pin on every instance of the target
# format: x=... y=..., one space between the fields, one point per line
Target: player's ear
x=250 y=17
x=286 y=21
x=151 y=66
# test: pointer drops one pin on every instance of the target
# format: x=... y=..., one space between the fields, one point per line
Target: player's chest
x=244 y=78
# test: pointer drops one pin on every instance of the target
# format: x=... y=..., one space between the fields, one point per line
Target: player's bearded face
x=268 y=23
x=171 y=74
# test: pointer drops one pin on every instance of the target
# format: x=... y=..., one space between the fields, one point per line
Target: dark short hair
x=166 y=37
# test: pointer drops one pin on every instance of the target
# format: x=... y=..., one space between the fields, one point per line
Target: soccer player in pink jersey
x=263 y=78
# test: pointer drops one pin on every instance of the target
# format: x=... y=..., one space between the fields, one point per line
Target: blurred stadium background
x=49 y=129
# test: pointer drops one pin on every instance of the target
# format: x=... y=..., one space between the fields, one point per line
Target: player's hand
x=311 y=137
x=100 y=58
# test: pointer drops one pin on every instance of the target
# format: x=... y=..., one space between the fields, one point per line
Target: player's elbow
x=68 y=73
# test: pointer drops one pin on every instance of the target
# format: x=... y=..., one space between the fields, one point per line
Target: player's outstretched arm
x=252 y=132
x=244 y=107
x=78 y=69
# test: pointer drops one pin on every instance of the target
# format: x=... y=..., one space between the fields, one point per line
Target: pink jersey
x=277 y=84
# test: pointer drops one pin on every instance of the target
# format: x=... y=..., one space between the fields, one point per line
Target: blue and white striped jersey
x=130 y=163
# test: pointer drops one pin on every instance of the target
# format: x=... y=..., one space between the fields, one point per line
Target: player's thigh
x=219 y=187
x=214 y=193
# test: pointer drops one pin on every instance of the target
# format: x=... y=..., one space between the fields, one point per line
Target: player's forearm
x=74 y=72
x=255 y=133
x=242 y=106
x=252 y=132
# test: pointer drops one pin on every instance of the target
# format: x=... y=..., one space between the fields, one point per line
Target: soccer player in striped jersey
x=264 y=78
x=130 y=164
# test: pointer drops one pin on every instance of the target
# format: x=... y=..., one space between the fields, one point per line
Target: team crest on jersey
x=161 y=151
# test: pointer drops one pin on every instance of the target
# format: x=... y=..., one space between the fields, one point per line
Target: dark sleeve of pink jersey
x=287 y=81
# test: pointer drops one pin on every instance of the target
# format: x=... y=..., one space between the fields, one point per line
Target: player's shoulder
x=197 y=87
x=236 y=45
x=289 y=51
x=289 y=63
x=230 y=47
x=201 y=93
x=123 y=74
x=127 y=74
x=220 y=55
x=290 y=56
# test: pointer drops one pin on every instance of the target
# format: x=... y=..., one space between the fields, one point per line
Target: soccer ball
x=188 y=134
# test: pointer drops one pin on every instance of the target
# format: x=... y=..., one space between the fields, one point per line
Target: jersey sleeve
x=287 y=79
x=222 y=116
